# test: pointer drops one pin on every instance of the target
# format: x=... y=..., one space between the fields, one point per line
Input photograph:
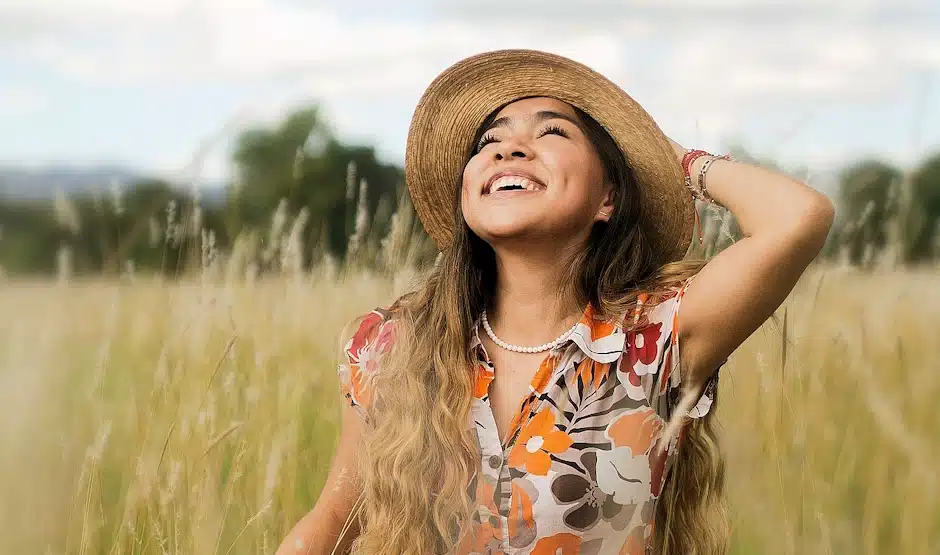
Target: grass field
x=201 y=418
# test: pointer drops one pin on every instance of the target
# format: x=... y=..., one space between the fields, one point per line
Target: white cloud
x=19 y=100
x=239 y=40
x=108 y=41
x=687 y=13
x=699 y=66
x=810 y=46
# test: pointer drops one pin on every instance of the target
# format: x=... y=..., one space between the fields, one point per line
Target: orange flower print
x=599 y=328
x=560 y=544
x=636 y=429
x=592 y=372
x=363 y=349
x=625 y=471
x=487 y=534
x=482 y=376
x=364 y=335
x=537 y=440
x=636 y=542
x=543 y=374
x=522 y=525
x=638 y=312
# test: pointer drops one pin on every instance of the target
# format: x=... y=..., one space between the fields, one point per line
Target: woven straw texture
x=455 y=104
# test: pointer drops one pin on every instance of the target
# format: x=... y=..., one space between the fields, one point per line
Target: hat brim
x=457 y=102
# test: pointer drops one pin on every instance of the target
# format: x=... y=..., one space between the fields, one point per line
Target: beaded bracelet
x=687 y=160
x=701 y=178
x=689 y=157
x=698 y=190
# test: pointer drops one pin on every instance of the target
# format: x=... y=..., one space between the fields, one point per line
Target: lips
x=528 y=181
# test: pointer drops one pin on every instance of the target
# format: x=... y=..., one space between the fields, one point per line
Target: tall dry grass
x=201 y=417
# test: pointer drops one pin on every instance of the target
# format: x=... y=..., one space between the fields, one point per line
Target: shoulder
x=658 y=307
x=370 y=330
x=371 y=337
x=654 y=355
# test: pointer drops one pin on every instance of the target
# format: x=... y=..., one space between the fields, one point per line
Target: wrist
x=696 y=167
x=689 y=159
x=695 y=164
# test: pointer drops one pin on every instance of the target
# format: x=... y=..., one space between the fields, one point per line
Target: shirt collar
x=601 y=340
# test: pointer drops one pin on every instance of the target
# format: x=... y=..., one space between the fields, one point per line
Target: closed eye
x=554 y=129
x=487 y=139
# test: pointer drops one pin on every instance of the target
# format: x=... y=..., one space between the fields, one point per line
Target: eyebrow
x=539 y=117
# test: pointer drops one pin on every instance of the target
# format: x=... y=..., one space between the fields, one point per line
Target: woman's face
x=539 y=144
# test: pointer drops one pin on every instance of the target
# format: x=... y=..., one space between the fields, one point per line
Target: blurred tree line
x=300 y=198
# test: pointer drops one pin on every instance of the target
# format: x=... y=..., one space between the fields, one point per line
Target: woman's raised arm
x=785 y=223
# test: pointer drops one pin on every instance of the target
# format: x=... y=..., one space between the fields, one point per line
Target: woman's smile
x=509 y=193
x=506 y=180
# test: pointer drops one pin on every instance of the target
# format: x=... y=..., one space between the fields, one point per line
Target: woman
x=568 y=425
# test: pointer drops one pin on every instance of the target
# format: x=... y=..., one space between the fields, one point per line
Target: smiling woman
x=581 y=420
x=543 y=141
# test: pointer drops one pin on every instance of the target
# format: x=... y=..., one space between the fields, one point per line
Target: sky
x=163 y=86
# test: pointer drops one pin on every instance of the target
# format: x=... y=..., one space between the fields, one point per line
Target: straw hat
x=455 y=104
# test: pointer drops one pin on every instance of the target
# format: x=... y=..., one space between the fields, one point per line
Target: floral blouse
x=579 y=473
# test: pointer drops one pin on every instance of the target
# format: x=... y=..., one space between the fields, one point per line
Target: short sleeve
x=360 y=363
x=653 y=352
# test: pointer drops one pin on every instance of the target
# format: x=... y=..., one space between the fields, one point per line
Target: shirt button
x=495 y=461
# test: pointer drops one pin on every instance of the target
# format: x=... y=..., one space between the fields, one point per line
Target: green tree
x=29 y=238
x=149 y=225
x=154 y=239
x=866 y=204
x=300 y=160
x=925 y=224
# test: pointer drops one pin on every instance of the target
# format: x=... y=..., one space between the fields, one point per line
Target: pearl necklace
x=538 y=349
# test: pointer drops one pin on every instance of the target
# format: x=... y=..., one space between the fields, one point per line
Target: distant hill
x=40 y=183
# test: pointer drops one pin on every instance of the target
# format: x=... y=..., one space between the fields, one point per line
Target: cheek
x=587 y=179
x=473 y=170
x=473 y=174
x=465 y=184
x=577 y=176
x=466 y=188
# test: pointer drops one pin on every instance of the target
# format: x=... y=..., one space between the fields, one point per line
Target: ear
x=606 y=209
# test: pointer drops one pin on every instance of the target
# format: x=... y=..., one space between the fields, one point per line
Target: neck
x=528 y=308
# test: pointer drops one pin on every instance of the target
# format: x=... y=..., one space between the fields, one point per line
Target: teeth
x=526 y=184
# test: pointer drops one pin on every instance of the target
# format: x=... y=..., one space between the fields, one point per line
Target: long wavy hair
x=420 y=453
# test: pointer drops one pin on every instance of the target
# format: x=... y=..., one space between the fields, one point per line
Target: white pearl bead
x=519 y=349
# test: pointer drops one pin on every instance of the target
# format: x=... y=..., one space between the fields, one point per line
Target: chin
x=502 y=233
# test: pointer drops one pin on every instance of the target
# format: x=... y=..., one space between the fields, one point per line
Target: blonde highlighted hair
x=420 y=452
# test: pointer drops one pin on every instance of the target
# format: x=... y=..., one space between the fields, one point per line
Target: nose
x=511 y=148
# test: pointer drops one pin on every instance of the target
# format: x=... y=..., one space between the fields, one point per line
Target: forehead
x=528 y=106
